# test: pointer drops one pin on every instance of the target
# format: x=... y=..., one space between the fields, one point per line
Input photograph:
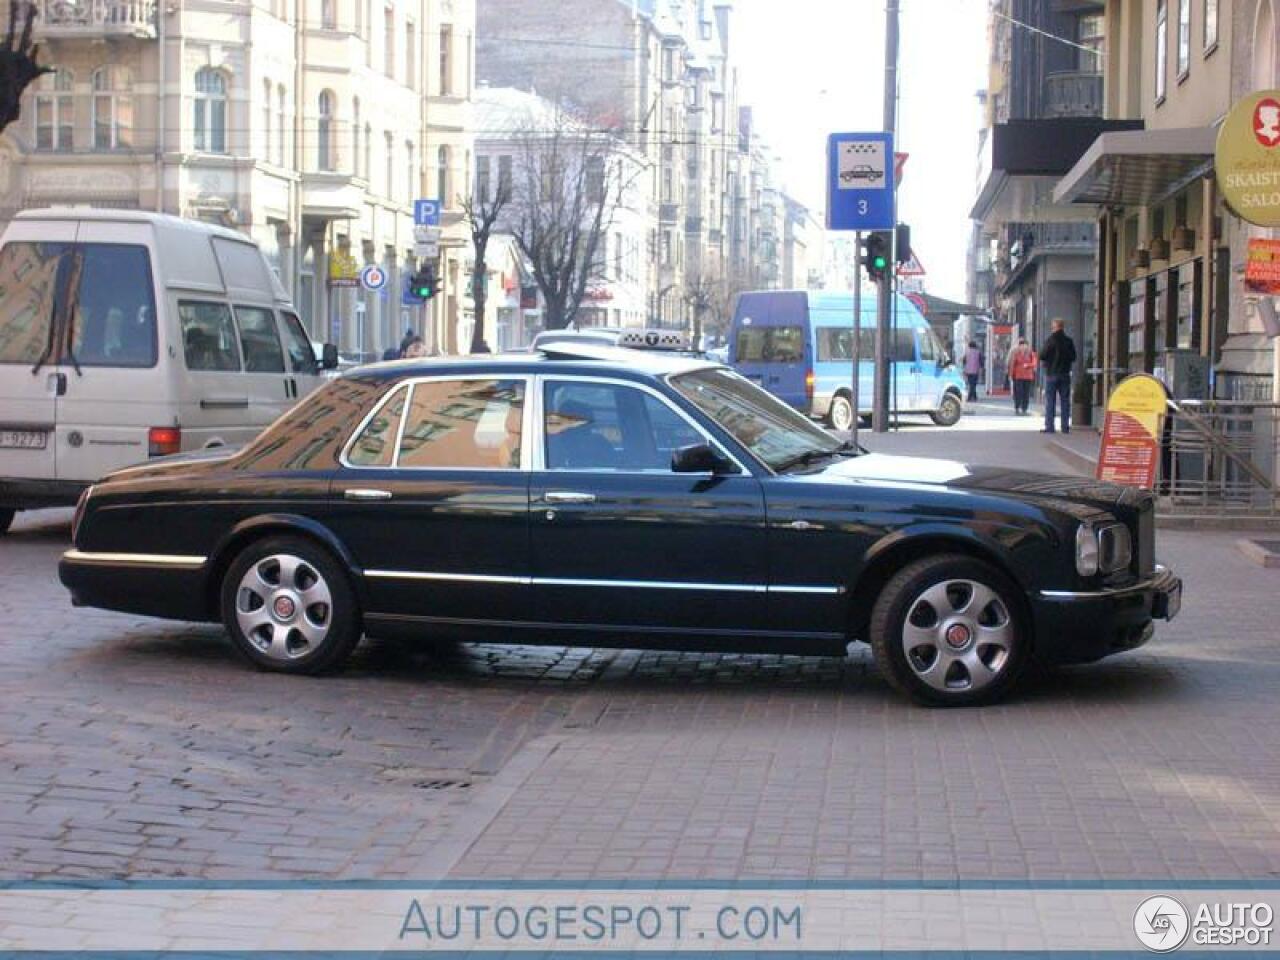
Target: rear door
x=772 y=347
x=33 y=275
x=116 y=386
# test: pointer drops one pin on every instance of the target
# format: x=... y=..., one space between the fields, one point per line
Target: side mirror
x=329 y=356
x=698 y=458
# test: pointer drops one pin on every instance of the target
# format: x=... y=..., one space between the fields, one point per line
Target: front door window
x=600 y=426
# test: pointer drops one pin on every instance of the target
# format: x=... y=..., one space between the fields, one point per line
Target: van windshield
x=29 y=287
x=770 y=345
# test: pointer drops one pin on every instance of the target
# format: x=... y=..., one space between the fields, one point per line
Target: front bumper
x=1082 y=626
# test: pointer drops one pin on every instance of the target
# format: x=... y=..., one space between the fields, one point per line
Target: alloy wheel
x=958 y=636
x=284 y=607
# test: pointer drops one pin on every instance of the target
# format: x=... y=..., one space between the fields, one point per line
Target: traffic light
x=422 y=284
x=875 y=254
x=902 y=245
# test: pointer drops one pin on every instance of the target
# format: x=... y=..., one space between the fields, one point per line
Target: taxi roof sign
x=653 y=340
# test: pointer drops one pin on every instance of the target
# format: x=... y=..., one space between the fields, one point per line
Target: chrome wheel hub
x=958 y=636
x=284 y=607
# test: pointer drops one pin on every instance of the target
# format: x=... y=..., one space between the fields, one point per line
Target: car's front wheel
x=949 y=411
x=6 y=519
x=289 y=606
x=948 y=631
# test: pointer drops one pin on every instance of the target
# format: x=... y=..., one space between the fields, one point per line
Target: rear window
x=114 y=310
x=463 y=424
x=28 y=299
x=770 y=345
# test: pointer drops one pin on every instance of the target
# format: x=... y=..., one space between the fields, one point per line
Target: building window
x=446 y=60
x=1162 y=48
x=55 y=112
x=410 y=61
x=1184 y=38
x=442 y=176
x=1210 y=25
x=211 y=111
x=389 y=41
x=504 y=176
x=1091 y=37
x=482 y=179
x=356 y=154
x=112 y=109
x=325 y=155
x=411 y=171
x=266 y=121
x=281 y=125
x=390 y=172
x=595 y=180
x=471 y=51
x=368 y=152
x=329 y=14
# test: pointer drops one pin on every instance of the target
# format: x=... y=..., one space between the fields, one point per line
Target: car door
x=33 y=282
x=432 y=499
x=621 y=541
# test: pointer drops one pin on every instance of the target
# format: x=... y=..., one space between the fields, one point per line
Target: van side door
x=269 y=387
x=304 y=369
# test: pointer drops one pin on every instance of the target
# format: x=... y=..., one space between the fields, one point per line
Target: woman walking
x=972 y=369
x=1022 y=371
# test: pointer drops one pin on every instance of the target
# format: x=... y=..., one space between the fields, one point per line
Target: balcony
x=66 y=19
x=1072 y=94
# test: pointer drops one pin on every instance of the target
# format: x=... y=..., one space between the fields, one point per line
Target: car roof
x=558 y=358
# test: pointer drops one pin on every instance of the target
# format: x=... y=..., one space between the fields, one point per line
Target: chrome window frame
x=539 y=460
x=408 y=384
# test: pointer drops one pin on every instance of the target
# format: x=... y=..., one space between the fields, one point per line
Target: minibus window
x=29 y=291
x=113 y=313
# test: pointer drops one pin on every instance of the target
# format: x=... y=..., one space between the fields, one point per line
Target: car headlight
x=1106 y=548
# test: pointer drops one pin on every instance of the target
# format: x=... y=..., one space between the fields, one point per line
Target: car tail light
x=808 y=386
x=162 y=441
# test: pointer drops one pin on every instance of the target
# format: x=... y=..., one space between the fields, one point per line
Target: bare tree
x=570 y=182
x=483 y=210
x=18 y=61
x=704 y=293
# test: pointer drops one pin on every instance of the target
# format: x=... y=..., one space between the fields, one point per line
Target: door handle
x=568 y=496
x=363 y=494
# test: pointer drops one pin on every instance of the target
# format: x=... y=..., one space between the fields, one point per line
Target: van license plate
x=24 y=439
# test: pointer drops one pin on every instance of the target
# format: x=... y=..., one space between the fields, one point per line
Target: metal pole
x=880 y=411
x=856 y=347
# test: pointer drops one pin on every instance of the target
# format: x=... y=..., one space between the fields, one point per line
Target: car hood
x=954 y=474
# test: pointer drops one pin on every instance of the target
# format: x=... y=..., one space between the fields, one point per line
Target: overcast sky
x=812 y=67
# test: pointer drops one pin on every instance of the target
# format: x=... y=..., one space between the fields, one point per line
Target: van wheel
x=840 y=416
x=289 y=606
x=949 y=411
x=6 y=519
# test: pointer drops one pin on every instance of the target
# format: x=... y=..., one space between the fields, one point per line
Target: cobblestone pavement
x=131 y=747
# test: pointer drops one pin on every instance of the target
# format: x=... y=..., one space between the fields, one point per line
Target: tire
x=317 y=623
x=933 y=645
x=949 y=411
x=6 y=519
x=840 y=416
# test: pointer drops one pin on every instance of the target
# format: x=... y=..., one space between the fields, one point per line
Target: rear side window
x=836 y=343
x=208 y=336
x=259 y=341
x=375 y=445
x=28 y=299
x=114 y=310
x=302 y=359
x=770 y=345
x=464 y=425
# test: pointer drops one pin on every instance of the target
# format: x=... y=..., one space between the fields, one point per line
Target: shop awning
x=944 y=310
x=1133 y=168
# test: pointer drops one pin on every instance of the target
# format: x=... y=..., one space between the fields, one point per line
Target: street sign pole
x=856 y=348
x=880 y=409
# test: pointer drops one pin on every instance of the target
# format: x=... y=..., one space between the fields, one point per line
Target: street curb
x=1079 y=461
x=1259 y=554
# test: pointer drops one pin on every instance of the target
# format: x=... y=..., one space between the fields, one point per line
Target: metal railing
x=1221 y=457
x=1073 y=94
x=87 y=18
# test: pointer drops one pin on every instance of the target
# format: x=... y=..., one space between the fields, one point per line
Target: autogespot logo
x=1161 y=923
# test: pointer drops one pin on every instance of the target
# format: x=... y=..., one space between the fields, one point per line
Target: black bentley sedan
x=597 y=496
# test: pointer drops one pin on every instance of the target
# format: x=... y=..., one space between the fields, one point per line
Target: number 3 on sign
x=862 y=208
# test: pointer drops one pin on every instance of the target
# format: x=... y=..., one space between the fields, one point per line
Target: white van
x=126 y=335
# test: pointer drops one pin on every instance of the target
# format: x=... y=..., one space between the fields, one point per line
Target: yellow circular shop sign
x=1247 y=159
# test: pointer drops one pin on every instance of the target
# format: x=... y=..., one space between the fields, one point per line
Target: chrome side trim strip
x=1157 y=579
x=135 y=559
x=613 y=584
x=446 y=577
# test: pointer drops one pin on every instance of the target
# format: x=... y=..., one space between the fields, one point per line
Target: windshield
x=775 y=433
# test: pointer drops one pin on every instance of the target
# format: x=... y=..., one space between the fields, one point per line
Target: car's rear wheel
x=949 y=631
x=289 y=606
x=840 y=416
x=6 y=519
x=949 y=411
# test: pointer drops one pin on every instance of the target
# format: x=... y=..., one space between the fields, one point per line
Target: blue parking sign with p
x=426 y=213
x=860 y=185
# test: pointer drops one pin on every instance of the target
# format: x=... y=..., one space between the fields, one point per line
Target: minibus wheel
x=948 y=412
x=840 y=416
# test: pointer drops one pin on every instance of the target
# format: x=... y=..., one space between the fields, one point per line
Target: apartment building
x=300 y=122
